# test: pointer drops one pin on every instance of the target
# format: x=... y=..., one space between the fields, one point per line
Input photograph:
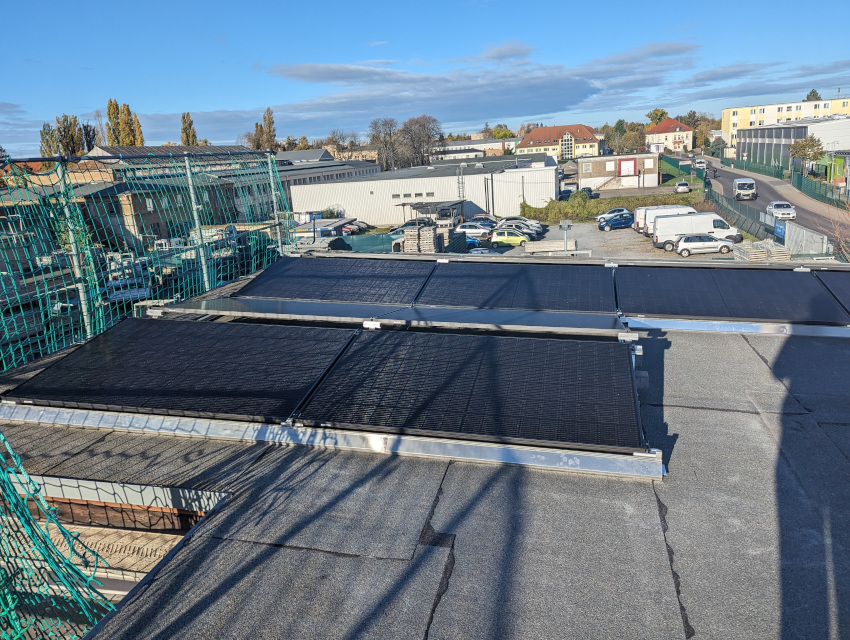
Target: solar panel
x=202 y=369
x=838 y=282
x=524 y=390
x=742 y=294
x=341 y=279
x=521 y=286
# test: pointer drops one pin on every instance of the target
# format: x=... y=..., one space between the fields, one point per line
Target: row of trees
x=404 y=145
x=123 y=128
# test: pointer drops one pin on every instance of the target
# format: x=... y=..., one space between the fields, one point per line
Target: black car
x=564 y=196
x=590 y=194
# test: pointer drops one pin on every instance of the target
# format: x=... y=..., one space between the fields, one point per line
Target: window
x=761 y=122
x=585 y=167
x=396 y=195
x=206 y=196
x=798 y=108
x=406 y=195
x=779 y=109
x=817 y=106
x=826 y=105
x=752 y=112
x=844 y=104
x=179 y=200
x=761 y=110
x=149 y=204
x=429 y=194
x=734 y=113
x=418 y=195
x=788 y=108
x=752 y=123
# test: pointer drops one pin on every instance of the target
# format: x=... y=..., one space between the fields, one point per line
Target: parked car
x=473 y=229
x=666 y=230
x=617 y=221
x=472 y=243
x=682 y=187
x=687 y=245
x=701 y=164
x=610 y=213
x=416 y=222
x=507 y=238
x=534 y=224
x=590 y=193
x=484 y=217
x=564 y=196
x=782 y=209
x=518 y=226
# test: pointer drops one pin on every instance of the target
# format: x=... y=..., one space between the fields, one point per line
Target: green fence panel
x=371 y=243
x=822 y=191
x=774 y=171
x=671 y=166
x=86 y=241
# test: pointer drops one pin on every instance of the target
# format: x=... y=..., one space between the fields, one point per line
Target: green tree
x=69 y=136
x=808 y=150
x=126 y=135
x=501 y=131
x=717 y=146
x=269 y=131
x=138 y=137
x=620 y=127
x=302 y=145
x=3 y=153
x=812 y=95
x=487 y=132
x=188 y=136
x=634 y=140
x=112 y=123
x=89 y=136
x=691 y=119
x=656 y=115
x=204 y=142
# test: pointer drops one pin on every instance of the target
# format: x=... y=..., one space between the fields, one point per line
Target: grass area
x=668 y=180
x=580 y=209
x=376 y=230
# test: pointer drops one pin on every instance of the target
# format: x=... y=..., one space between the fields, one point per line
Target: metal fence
x=743 y=216
x=671 y=166
x=87 y=241
x=822 y=191
x=775 y=171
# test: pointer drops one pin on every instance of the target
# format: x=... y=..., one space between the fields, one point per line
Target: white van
x=700 y=164
x=666 y=210
x=744 y=189
x=668 y=229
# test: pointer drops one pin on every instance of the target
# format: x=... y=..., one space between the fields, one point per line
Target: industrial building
x=629 y=171
x=769 y=144
x=474 y=148
x=387 y=199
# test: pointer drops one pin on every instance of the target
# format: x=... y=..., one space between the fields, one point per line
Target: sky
x=328 y=64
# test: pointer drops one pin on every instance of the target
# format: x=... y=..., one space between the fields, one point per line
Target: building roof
x=307 y=155
x=473 y=143
x=668 y=125
x=548 y=135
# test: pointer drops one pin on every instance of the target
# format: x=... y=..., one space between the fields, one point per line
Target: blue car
x=619 y=221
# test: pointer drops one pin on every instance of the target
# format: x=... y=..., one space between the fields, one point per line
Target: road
x=768 y=190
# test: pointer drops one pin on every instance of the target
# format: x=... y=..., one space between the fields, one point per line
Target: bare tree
x=344 y=145
x=417 y=136
x=383 y=136
x=99 y=129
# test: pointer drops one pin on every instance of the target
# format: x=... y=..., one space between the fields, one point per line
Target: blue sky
x=327 y=64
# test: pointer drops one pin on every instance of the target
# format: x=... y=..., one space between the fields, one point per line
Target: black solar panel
x=526 y=390
x=341 y=279
x=521 y=286
x=839 y=283
x=190 y=368
x=742 y=294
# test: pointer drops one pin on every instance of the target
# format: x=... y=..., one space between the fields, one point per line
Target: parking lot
x=619 y=243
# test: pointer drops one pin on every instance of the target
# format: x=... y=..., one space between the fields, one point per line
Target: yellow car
x=507 y=237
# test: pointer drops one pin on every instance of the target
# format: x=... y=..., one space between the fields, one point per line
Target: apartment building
x=562 y=143
x=762 y=115
x=672 y=134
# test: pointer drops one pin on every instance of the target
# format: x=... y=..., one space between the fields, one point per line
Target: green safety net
x=88 y=241
x=47 y=584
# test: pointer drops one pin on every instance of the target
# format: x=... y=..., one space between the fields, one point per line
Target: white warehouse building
x=384 y=199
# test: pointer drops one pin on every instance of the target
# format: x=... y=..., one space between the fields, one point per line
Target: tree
x=345 y=144
x=100 y=130
x=138 y=136
x=634 y=140
x=383 y=135
x=703 y=133
x=48 y=146
x=487 y=132
x=126 y=135
x=302 y=145
x=112 y=125
x=620 y=127
x=3 y=153
x=68 y=136
x=656 y=116
x=417 y=137
x=89 y=137
x=691 y=119
x=290 y=143
x=808 y=149
x=188 y=136
x=204 y=142
x=717 y=146
x=812 y=95
x=502 y=131
x=269 y=131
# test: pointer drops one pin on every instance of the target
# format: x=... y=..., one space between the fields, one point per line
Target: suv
x=782 y=209
x=617 y=221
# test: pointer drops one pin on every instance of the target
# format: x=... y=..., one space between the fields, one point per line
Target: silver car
x=686 y=245
x=611 y=213
x=473 y=230
x=782 y=209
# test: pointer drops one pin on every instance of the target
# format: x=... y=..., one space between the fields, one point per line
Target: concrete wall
x=372 y=201
x=618 y=172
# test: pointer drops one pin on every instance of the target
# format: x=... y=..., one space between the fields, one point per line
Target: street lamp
x=565 y=226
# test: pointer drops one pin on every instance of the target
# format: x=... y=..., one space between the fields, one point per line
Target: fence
x=84 y=241
x=775 y=171
x=822 y=191
x=672 y=167
x=744 y=217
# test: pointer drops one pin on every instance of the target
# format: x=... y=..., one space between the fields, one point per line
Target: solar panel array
x=838 y=282
x=525 y=390
x=190 y=369
x=521 y=286
x=739 y=294
x=341 y=279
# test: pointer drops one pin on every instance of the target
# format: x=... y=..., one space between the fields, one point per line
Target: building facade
x=630 y=171
x=562 y=143
x=760 y=115
x=769 y=144
x=671 y=133
x=474 y=148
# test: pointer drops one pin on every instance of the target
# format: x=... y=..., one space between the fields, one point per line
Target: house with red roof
x=562 y=143
x=672 y=134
